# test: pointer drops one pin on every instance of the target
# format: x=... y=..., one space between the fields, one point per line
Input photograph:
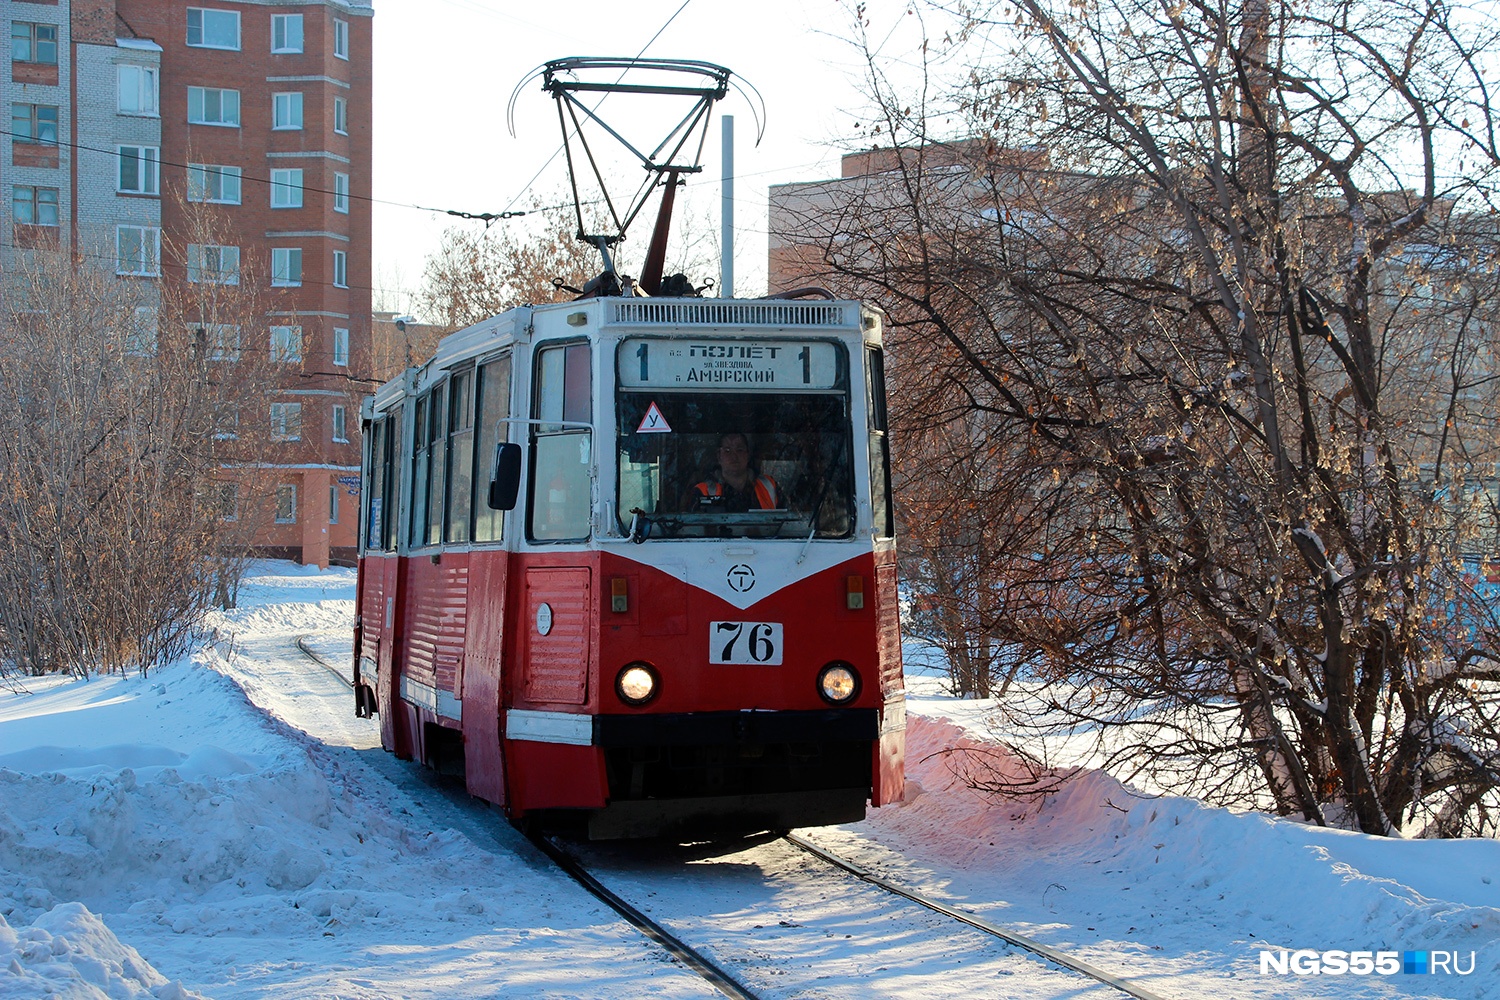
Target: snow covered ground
x=226 y=828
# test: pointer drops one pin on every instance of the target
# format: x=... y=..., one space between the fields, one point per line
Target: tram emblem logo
x=741 y=578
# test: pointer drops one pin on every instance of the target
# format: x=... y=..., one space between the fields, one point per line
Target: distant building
x=128 y=116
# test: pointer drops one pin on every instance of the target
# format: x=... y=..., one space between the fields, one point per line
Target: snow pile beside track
x=68 y=952
x=1262 y=882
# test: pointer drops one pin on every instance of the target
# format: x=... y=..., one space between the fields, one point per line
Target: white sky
x=445 y=70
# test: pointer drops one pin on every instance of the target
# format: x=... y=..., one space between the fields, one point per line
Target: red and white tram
x=548 y=601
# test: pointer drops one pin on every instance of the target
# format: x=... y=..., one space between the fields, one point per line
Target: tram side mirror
x=506 y=481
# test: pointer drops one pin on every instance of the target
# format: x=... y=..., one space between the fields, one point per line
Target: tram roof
x=724 y=317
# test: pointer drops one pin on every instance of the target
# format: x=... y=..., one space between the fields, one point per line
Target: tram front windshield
x=798 y=481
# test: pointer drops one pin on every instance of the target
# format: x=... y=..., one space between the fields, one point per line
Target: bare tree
x=1227 y=275
x=476 y=274
x=119 y=433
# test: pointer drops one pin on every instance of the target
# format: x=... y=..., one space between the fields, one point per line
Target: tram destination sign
x=728 y=364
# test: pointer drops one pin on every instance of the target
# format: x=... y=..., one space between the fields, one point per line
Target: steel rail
x=320 y=661
x=683 y=952
x=978 y=923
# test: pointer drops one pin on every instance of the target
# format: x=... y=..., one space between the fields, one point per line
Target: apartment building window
x=333 y=503
x=286 y=188
x=341 y=38
x=139 y=170
x=136 y=90
x=213 y=29
x=138 y=250
x=213 y=265
x=34 y=206
x=286 y=267
x=214 y=183
x=213 y=106
x=341 y=347
x=340 y=424
x=221 y=342
x=286 y=344
x=341 y=116
x=33 y=43
x=341 y=193
x=286 y=110
x=286 y=421
x=227 y=424
x=140 y=339
x=34 y=123
x=286 y=32
x=340 y=269
x=229 y=501
x=286 y=504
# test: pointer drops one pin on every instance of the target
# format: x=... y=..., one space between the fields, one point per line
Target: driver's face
x=734 y=455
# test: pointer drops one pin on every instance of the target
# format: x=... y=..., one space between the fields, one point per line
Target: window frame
x=151 y=73
x=341 y=192
x=33 y=122
x=197 y=255
x=338 y=423
x=341 y=116
x=150 y=264
x=36 y=200
x=286 y=111
x=219 y=347
x=287 y=187
x=150 y=177
x=286 y=490
x=203 y=28
x=35 y=41
x=286 y=422
x=286 y=344
x=340 y=38
x=203 y=119
x=206 y=171
x=281 y=22
x=341 y=347
x=340 y=269
x=281 y=274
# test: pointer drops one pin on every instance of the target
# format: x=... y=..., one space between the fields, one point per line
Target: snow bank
x=69 y=953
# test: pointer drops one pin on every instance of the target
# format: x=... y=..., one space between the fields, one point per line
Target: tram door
x=489 y=573
x=381 y=609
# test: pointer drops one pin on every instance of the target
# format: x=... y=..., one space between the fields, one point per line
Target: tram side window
x=491 y=405
x=460 y=455
x=391 y=495
x=880 y=452
x=562 y=457
x=420 y=459
x=374 y=491
x=436 y=434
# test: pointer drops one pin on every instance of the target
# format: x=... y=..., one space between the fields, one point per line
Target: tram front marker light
x=636 y=684
x=838 y=683
x=619 y=595
x=854 y=592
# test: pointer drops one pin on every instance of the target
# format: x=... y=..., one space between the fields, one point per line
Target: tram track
x=699 y=961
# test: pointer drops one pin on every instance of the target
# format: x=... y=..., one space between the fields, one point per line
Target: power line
x=602 y=99
x=481 y=216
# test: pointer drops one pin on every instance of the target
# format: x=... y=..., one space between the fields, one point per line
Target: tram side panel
x=552 y=684
x=431 y=617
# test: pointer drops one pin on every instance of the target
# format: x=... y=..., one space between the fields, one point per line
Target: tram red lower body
x=469 y=670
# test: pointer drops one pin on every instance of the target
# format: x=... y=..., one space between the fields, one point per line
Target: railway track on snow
x=725 y=981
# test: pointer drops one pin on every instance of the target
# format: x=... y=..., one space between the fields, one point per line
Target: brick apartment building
x=129 y=118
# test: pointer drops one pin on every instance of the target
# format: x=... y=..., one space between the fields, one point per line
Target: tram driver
x=736 y=485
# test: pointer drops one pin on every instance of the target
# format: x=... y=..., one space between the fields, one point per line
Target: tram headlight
x=838 y=683
x=636 y=683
